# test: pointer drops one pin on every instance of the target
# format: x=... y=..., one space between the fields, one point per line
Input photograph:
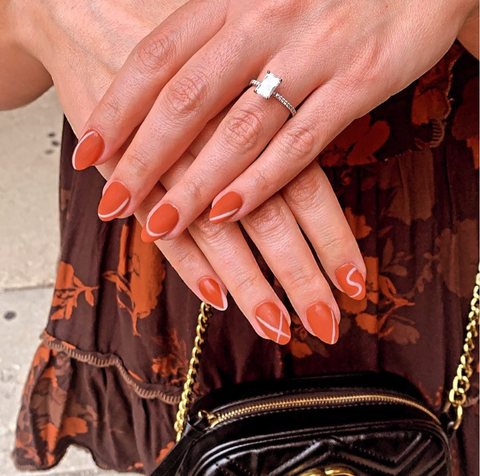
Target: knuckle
x=243 y=129
x=277 y=9
x=187 y=94
x=334 y=243
x=186 y=258
x=263 y=179
x=267 y=220
x=209 y=232
x=298 y=142
x=154 y=52
x=245 y=281
x=299 y=278
x=138 y=162
x=365 y=65
x=112 y=112
x=304 y=188
x=195 y=191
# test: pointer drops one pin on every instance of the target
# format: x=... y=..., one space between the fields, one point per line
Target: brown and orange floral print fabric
x=109 y=371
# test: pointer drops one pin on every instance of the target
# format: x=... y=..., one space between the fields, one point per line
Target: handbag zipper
x=214 y=418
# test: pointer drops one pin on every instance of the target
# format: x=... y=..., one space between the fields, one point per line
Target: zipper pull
x=212 y=419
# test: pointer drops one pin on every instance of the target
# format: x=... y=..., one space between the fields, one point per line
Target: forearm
x=22 y=77
x=468 y=35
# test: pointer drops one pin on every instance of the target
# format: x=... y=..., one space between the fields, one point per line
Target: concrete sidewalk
x=29 y=245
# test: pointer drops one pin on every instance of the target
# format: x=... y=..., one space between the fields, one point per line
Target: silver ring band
x=266 y=89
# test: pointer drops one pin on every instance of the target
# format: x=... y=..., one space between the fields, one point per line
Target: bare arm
x=22 y=77
x=468 y=36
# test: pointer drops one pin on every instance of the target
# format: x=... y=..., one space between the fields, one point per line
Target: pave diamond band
x=266 y=89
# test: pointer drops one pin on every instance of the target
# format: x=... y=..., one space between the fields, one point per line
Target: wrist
x=468 y=34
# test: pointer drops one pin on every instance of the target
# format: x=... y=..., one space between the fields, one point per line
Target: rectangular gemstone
x=268 y=85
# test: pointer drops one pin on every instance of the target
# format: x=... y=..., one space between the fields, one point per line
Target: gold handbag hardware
x=330 y=471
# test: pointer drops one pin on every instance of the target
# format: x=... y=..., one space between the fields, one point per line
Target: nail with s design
x=114 y=201
x=88 y=150
x=225 y=207
x=351 y=281
x=213 y=293
x=323 y=322
x=161 y=221
x=273 y=322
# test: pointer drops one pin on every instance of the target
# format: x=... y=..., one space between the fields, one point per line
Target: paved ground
x=29 y=145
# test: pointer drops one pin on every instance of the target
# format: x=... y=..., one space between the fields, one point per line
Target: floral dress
x=112 y=360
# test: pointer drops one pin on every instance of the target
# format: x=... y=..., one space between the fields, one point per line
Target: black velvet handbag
x=361 y=424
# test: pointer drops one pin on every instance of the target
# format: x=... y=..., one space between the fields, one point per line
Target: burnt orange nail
x=323 y=322
x=351 y=281
x=213 y=293
x=114 y=201
x=88 y=150
x=161 y=222
x=273 y=322
x=226 y=207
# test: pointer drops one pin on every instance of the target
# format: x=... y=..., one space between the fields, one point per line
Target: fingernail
x=213 y=293
x=351 y=281
x=226 y=207
x=273 y=322
x=323 y=322
x=88 y=150
x=161 y=222
x=114 y=201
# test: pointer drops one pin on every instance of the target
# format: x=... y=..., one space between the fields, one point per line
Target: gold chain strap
x=203 y=321
x=456 y=398
x=461 y=382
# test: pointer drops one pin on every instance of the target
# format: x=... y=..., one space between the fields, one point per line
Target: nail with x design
x=273 y=322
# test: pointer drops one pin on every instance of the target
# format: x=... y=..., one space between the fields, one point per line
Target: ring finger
x=238 y=141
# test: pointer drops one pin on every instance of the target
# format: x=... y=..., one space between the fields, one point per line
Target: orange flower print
x=431 y=101
x=357 y=144
x=465 y=123
x=68 y=289
x=163 y=452
x=172 y=364
x=139 y=277
x=378 y=312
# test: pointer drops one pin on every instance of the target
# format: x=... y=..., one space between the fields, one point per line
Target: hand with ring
x=214 y=260
x=336 y=61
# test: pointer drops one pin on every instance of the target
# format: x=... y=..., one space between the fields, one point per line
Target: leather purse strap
x=457 y=396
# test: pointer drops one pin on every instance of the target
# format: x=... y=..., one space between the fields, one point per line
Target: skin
x=344 y=59
x=57 y=36
x=59 y=44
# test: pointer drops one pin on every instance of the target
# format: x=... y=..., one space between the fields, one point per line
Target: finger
x=226 y=249
x=319 y=120
x=200 y=90
x=153 y=62
x=183 y=254
x=240 y=138
x=228 y=252
x=275 y=232
x=314 y=204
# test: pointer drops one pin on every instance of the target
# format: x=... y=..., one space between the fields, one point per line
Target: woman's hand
x=337 y=59
x=212 y=259
x=82 y=66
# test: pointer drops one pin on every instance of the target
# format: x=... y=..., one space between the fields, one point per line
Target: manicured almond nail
x=273 y=322
x=114 y=201
x=213 y=293
x=351 y=281
x=160 y=222
x=88 y=150
x=323 y=322
x=226 y=207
